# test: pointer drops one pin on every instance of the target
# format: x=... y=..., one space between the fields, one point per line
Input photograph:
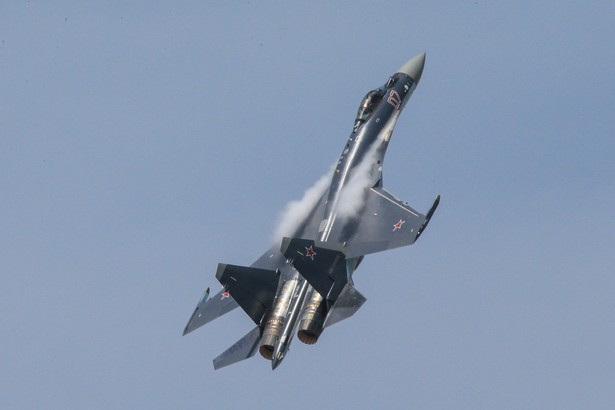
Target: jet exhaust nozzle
x=275 y=322
x=312 y=319
x=273 y=331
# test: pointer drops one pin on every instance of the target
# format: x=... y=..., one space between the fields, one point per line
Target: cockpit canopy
x=368 y=105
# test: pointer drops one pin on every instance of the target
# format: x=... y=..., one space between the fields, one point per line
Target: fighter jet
x=303 y=283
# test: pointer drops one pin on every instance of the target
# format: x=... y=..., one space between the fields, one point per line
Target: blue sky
x=142 y=144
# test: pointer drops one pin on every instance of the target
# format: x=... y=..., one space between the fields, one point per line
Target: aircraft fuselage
x=304 y=283
x=362 y=157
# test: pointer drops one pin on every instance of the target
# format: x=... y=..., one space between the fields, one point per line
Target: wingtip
x=430 y=213
x=187 y=328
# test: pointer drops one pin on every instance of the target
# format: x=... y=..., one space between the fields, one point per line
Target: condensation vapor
x=352 y=196
x=296 y=211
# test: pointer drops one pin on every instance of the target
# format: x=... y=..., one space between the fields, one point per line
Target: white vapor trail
x=352 y=196
x=296 y=211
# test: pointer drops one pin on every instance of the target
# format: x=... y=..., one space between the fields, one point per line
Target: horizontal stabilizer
x=347 y=303
x=252 y=288
x=243 y=349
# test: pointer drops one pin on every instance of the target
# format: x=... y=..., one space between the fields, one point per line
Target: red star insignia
x=398 y=225
x=225 y=295
x=309 y=252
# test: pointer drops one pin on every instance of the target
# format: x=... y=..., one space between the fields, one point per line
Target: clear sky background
x=140 y=145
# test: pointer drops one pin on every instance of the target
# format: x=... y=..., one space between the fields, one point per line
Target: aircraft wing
x=209 y=309
x=387 y=223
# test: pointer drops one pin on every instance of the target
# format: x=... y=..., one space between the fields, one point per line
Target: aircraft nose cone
x=414 y=67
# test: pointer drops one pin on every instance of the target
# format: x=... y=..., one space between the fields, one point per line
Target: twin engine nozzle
x=311 y=319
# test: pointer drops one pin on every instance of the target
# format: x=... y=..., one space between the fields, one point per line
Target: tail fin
x=243 y=349
x=326 y=268
x=252 y=288
x=322 y=264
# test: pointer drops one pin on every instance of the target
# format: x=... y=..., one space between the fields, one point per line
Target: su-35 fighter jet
x=304 y=283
